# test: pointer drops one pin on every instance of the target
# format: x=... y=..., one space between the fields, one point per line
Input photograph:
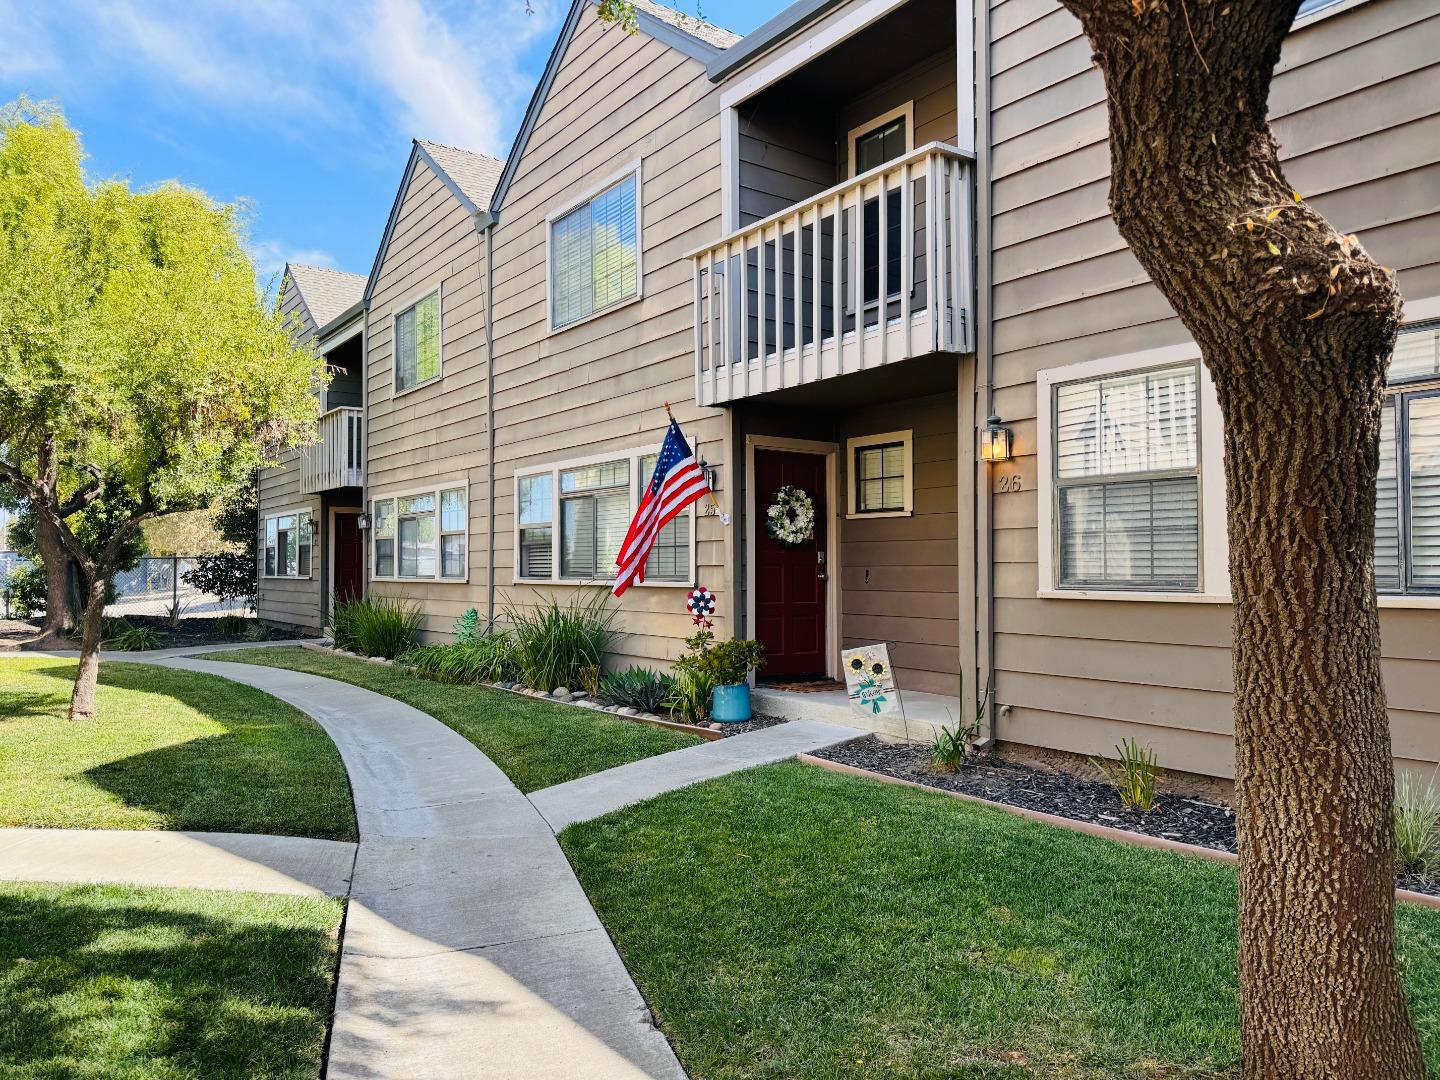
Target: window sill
x=1310 y=18
x=597 y=314
x=424 y=580
x=1143 y=597
x=863 y=515
x=607 y=583
x=418 y=386
x=1423 y=603
x=287 y=577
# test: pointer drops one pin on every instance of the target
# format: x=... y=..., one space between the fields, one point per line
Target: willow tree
x=1296 y=324
x=139 y=364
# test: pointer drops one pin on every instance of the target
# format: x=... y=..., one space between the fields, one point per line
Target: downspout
x=485 y=222
x=984 y=371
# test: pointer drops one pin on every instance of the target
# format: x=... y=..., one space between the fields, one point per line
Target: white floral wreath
x=791 y=517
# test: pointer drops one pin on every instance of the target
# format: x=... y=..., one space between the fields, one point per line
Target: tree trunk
x=59 y=568
x=82 y=698
x=1296 y=325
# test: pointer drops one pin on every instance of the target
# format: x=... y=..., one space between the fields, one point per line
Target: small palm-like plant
x=136 y=639
x=636 y=688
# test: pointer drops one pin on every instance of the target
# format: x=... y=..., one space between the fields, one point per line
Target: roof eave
x=767 y=35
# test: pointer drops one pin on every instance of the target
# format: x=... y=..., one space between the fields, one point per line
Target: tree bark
x=59 y=573
x=1296 y=325
x=82 y=698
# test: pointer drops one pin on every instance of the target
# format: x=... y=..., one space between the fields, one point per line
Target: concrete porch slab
x=924 y=715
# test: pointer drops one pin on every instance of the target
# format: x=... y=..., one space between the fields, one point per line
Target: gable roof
x=469 y=176
x=695 y=38
x=327 y=294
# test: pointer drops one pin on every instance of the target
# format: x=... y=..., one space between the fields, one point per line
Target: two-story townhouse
x=309 y=545
x=613 y=178
x=1104 y=607
x=427 y=373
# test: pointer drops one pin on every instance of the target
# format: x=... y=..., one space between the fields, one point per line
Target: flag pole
x=720 y=510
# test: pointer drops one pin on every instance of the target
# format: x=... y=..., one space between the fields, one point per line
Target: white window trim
x=907 y=111
x=853 y=511
x=553 y=470
x=1214 y=584
x=1215 y=550
x=437 y=289
x=274 y=516
x=561 y=210
x=434 y=489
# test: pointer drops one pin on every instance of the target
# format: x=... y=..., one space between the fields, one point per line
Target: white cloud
x=270 y=257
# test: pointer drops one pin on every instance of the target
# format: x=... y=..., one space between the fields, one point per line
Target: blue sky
x=302 y=109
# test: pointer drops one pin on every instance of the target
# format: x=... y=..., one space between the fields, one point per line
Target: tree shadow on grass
x=270 y=770
x=15 y=706
x=117 y=982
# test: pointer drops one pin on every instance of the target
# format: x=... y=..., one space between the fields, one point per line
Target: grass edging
x=708 y=734
x=1105 y=832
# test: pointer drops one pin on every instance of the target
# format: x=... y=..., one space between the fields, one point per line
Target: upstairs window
x=1407 y=498
x=1127 y=484
x=595 y=254
x=417 y=343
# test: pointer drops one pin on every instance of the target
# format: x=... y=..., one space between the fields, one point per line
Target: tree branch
x=86 y=495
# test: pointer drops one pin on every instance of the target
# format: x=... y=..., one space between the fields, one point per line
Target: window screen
x=417 y=343
x=594 y=255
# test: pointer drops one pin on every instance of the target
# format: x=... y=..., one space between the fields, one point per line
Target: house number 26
x=1011 y=482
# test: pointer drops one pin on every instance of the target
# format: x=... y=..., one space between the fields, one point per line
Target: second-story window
x=417 y=343
x=1407 y=503
x=595 y=254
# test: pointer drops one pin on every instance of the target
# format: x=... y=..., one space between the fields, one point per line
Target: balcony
x=337 y=459
x=869 y=272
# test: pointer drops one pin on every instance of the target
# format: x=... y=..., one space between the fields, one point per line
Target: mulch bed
x=16 y=633
x=1189 y=821
x=755 y=723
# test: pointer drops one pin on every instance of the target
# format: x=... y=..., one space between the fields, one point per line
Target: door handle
x=820 y=564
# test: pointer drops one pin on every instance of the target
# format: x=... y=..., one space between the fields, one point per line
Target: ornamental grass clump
x=136 y=639
x=376 y=626
x=1133 y=776
x=486 y=660
x=637 y=688
x=1417 y=828
x=554 y=642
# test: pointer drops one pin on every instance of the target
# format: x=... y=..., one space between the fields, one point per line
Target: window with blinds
x=417 y=343
x=423 y=535
x=595 y=254
x=594 y=516
x=670 y=557
x=1127 y=485
x=1407 y=490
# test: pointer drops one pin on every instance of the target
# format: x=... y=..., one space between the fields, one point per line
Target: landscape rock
x=629 y=712
x=560 y=694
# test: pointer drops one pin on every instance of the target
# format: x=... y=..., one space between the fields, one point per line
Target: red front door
x=790 y=578
x=349 y=557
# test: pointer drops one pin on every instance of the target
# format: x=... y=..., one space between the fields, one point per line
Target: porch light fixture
x=995 y=441
x=363 y=521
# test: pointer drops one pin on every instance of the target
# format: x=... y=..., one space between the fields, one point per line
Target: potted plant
x=725 y=666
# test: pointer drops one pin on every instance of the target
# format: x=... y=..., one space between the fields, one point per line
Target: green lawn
x=114 y=983
x=793 y=923
x=536 y=743
x=168 y=749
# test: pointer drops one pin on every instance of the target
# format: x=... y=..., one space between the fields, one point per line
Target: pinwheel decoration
x=700 y=602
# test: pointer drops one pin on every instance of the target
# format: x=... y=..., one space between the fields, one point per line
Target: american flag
x=677 y=483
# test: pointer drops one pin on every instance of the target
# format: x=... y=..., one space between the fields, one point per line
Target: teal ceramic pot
x=730 y=704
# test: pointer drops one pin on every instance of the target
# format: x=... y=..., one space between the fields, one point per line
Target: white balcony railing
x=338 y=459
x=813 y=291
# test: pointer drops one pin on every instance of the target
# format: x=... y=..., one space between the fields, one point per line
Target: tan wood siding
x=599 y=386
x=1356 y=109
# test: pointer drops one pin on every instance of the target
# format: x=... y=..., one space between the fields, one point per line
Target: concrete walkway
x=239 y=862
x=470 y=948
x=599 y=793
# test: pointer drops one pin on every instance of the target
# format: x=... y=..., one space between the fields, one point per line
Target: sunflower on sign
x=868 y=679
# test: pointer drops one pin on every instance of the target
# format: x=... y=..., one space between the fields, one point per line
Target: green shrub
x=553 y=642
x=489 y=659
x=25 y=590
x=1133 y=776
x=257 y=631
x=1417 y=827
x=232 y=625
x=137 y=639
x=637 y=688
x=376 y=626
x=723 y=663
x=951 y=748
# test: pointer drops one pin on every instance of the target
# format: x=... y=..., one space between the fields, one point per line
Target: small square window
x=880 y=478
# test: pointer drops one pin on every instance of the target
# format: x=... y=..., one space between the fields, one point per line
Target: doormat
x=806 y=686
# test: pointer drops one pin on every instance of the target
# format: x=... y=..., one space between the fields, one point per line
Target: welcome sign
x=870 y=681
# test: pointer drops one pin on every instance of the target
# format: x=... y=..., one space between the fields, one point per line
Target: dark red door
x=349 y=557
x=790 y=578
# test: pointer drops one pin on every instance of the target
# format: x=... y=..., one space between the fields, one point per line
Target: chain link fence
x=153 y=586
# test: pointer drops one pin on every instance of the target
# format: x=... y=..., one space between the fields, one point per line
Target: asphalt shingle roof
x=328 y=294
x=474 y=174
x=696 y=28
